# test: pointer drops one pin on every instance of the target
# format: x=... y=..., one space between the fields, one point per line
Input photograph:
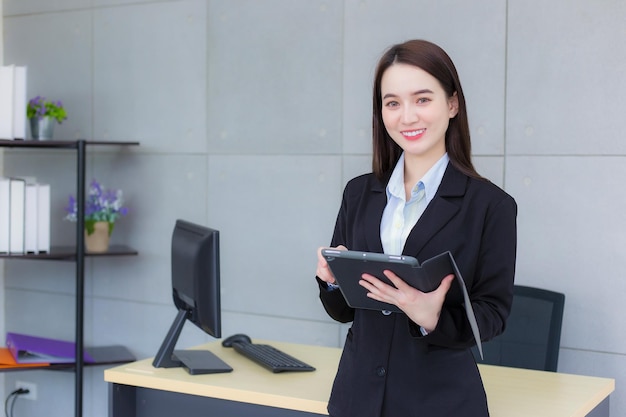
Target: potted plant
x=42 y=114
x=103 y=207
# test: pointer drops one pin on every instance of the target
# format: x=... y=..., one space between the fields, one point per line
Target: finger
x=396 y=280
x=446 y=282
x=323 y=270
x=373 y=281
x=373 y=291
x=377 y=289
x=325 y=274
x=320 y=258
x=322 y=266
x=368 y=282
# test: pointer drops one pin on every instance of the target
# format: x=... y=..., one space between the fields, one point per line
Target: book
x=36 y=217
x=19 y=102
x=31 y=206
x=7 y=95
x=16 y=214
x=5 y=219
x=34 y=349
x=12 y=102
x=43 y=218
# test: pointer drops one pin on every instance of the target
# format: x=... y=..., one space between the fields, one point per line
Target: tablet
x=348 y=267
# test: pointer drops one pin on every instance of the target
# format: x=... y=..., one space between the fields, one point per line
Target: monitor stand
x=196 y=362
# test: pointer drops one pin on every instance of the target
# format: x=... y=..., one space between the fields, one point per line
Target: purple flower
x=71 y=206
x=101 y=204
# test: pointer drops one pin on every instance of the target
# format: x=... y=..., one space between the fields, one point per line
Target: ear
x=453 y=105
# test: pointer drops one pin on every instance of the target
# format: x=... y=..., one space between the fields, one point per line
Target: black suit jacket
x=387 y=367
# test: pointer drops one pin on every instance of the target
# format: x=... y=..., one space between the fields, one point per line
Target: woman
x=423 y=198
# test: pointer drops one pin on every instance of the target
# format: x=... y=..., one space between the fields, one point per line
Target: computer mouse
x=236 y=338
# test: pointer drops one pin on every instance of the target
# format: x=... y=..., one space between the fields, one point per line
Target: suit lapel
x=439 y=212
x=373 y=216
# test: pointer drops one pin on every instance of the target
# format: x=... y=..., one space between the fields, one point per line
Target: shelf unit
x=77 y=254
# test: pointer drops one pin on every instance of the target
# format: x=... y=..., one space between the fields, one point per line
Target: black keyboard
x=273 y=359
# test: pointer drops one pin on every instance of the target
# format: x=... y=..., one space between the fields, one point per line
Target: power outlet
x=32 y=390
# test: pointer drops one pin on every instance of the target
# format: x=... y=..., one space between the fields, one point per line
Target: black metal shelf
x=62 y=144
x=68 y=253
x=78 y=253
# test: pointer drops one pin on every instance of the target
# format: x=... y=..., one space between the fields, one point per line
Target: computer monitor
x=196 y=292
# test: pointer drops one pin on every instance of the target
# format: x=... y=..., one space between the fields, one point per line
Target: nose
x=409 y=115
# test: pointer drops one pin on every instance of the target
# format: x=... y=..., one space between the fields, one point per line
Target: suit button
x=381 y=371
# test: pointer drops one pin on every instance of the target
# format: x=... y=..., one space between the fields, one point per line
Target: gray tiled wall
x=252 y=115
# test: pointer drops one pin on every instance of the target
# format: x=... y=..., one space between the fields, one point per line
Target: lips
x=413 y=134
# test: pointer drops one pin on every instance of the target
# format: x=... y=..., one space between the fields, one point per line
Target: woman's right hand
x=323 y=271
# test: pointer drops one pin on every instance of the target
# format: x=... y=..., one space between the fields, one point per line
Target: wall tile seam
x=8 y=286
x=601 y=352
x=270 y=154
x=564 y=155
x=46 y=13
x=271 y=316
x=90 y=8
x=128 y=300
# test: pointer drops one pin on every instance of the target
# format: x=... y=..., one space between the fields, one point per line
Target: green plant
x=40 y=108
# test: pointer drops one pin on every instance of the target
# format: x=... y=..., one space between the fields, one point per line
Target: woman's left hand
x=422 y=308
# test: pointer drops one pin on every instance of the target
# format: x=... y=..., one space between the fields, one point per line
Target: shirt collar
x=431 y=180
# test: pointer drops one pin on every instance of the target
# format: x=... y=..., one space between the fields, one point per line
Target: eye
x=391 y=104
x=423 y=100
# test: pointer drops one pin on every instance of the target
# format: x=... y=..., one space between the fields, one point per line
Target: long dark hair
x=435 y=61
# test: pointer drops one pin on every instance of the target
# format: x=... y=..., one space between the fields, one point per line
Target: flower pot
x=98 y=241
x=42 y=128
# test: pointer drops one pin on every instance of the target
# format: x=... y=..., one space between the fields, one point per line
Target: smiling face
x=416 y=112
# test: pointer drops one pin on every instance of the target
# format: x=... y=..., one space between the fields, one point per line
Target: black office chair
x=532 y=336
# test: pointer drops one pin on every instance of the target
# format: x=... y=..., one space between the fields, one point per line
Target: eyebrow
x=416 y=93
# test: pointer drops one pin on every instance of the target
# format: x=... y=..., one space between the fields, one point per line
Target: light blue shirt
x=400 y=216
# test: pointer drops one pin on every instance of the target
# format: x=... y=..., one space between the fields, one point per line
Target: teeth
x=414 y=133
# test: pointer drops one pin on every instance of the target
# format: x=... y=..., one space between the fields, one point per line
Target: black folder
x=348 y=267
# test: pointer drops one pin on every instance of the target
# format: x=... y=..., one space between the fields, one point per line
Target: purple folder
x=33 y=349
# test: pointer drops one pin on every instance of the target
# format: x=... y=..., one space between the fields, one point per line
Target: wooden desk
x=513 y=392
x=138 y=389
